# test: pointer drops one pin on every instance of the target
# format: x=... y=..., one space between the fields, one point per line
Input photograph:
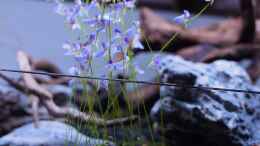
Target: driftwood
x=196 y=53
x=233 y=39
x=207 y=53
x=48 y=102
x=28 y=79
x=40 y=95
x=220 y=7
x=236 y=52
x=158 y=31
x=229 y=32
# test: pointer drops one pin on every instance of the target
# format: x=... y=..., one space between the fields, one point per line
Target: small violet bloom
x=106 y=32
x=184 y=18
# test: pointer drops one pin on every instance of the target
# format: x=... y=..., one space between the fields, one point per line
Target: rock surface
x=14 y=109
x=49 y=133
x=11 y=101
x=206 y=117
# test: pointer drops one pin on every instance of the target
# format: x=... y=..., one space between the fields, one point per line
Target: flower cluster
x=105 y=31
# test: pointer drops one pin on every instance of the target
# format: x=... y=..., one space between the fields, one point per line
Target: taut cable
x=130 y=81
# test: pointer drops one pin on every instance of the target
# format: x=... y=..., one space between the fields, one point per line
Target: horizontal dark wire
x=129 y=81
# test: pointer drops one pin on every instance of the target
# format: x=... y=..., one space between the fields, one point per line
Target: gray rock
x=49 y=133
x=207 y=117
x=9 y=96
x=14 y=109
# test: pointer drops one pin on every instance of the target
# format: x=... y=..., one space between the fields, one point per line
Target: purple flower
x=129 y=36
x=117 y=30
x=125 y=4
x=71 y=14
x=91 y=39
x=118 y=6
x=80 y=52
x=183 y=19
x=84 y=55
x=103 y=32
x=118 y=65
x=99 y=22
x=130 y=3
x=137 y=43
x=74 y=70
x=71 y=48
x=92 y=22
x=157 y=60
x=100 y=53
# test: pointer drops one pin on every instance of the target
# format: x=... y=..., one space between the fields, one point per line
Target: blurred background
x=33 y=26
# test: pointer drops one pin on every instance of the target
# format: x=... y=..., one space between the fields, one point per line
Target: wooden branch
x=158 y=31
x=55 y=110
x=236 y=52
x=89 y=118
x=29 y=81
x=35 y=109
x=207 y=53
x=232 y=31
x=220 y=7
x=21 y=87
x=195 y=53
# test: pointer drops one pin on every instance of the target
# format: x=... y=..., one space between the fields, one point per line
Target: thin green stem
x=174 y=36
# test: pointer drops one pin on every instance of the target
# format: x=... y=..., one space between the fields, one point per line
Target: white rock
x=49 y=133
